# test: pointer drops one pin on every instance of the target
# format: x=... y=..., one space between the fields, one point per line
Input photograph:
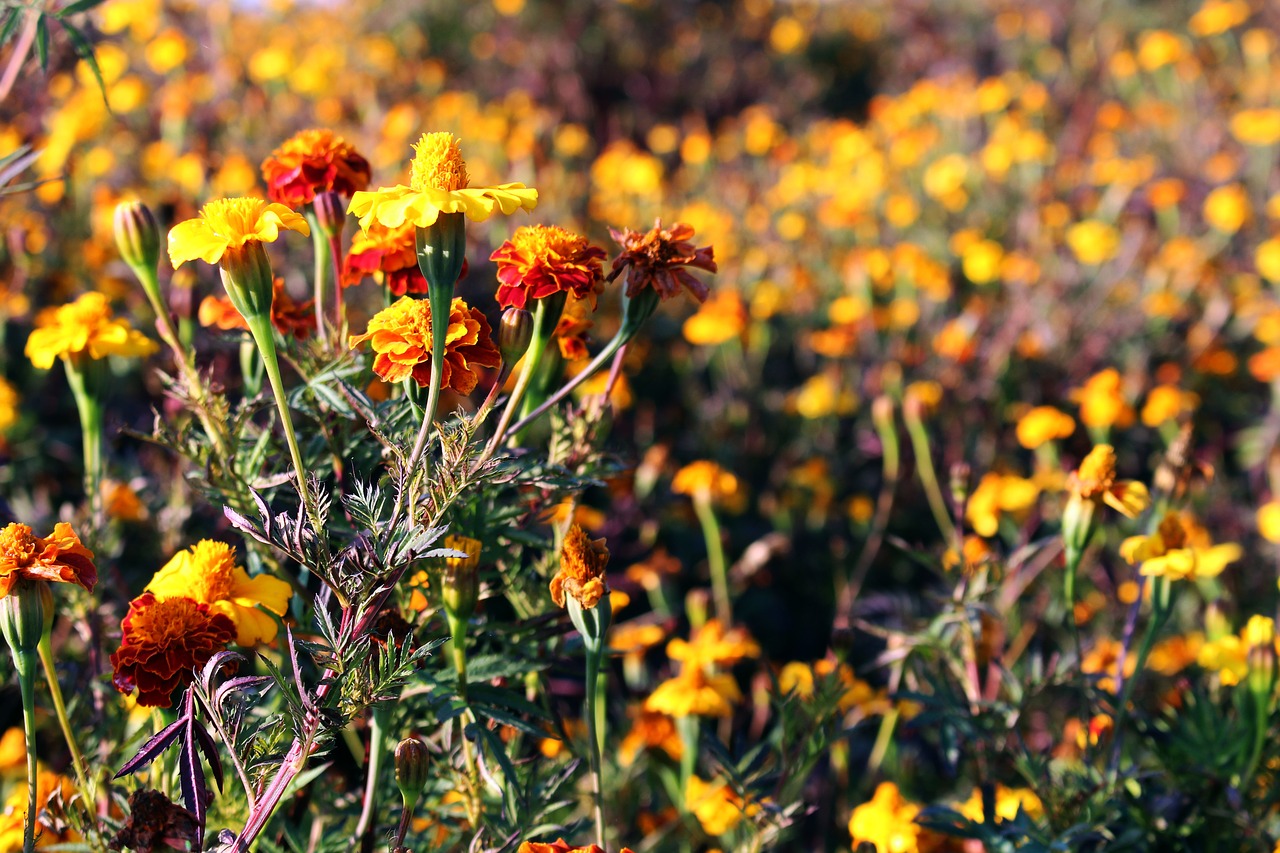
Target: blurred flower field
x=856 y=426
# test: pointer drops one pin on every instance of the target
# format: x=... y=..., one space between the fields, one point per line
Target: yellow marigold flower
x=997 y=493
x=401 y=337
x=796 y=677
x=1093 y=241
x=887 y=821
x=14 y=814
x=1042 y=425
x=1095 y=482
x=1167 y=402
x=1101 y=402
x=1227 y=656
x=13 y=751
x=981 y=261
x=1009 y=801
x=718 y=808
x=721 y=318
x=438 y=183
x=694 y=693
x=8 y=405
x=1267 y=259
x=1227 y=208
x=649 y=731
x=1218 y=16
x=704 y=480
x=1167 y=553
x=1269 y=521
x=84 y=328
x=712 y=645
x=207 y=573
x=59 y=557
x=312 y=162
x=1158 y=48
x=224 y=227
x=1260 y=127
x=581 y=575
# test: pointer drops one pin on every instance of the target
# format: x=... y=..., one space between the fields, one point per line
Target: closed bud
x=1260 y=641
x=137 y=235
x=413 y=761
x=442 y=248
x=460 y=580
x=26 y=614
x=246 y=275
x=331 y=214
x=514 y=334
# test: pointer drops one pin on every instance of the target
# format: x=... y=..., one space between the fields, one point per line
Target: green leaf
x=8 y=23
x=84 y=49
x=78 y=6
x=42 y=42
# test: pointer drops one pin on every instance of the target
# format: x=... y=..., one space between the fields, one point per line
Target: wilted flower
x=438 y=183
x=162 y=642
x=401 y=337
x=312 y=162
x=581 y=575
x=207 y=573
x=84 y=328
x=58 y=557
x=540 y=260
x=657 y=259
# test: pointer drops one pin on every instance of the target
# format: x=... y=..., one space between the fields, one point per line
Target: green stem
x=542 y=333
x=1160 y=610
x=715 y=558
x=320 y=253
x=377 y=746
x=82 y=376
x=25 y=666
x=595 y=735
x=928 y=474
x=60 y=707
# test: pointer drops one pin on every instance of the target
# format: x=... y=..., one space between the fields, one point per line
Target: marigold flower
x=1044 y=424
x=1093 y=242
x=561 y=846
x=651 y=730
x=8 y=404
x=13 y=816
x=712 y=645
x=57 y=557
x=207 y=573
x=227 y=225
x=1101 y=402
x=389 y=255
x=1228 y=656
x=1009 y=801
x=887 y=821
x=438 y=183
x=694 y=693
x=572 y=328
x=717 y=807
x=656 y=259
x=540 y=260
x=1169 y=552
x=290 y=318
x=721 y=318
x=581 y=575
x=84 y=328
x=1167 y=402
x=1260 y=127
x=312 y=162
x=162 y=642
x=704 y=480
x=997 y=493
x=401 y=337
x=1218 y=16
x=1095 y=481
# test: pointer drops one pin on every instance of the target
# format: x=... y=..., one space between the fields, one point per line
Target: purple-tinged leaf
x=244 y=525
x=215 y=665
x=244 y=682
x=210 y=750
x=151 y=750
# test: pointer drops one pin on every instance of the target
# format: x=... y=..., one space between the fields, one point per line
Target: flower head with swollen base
x=312 y=162
x=85 y=328
x=401 y=337
x=227 y=225
x=581 y=575
x=58 y=557
x=438 y=183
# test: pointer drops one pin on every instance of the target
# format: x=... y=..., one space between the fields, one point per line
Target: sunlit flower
x=1042 y=425
x=8 y=405
x=561 y=846
x=1218 y=16
x=718 y=807
x=1009 y=801
x=1101 y=402
x=721 y=318
x=162 y=642
x=1227 y=208
x=389 y=255
x=657 y=259
x=1168 y=553
x=312 y=162
x=1165 y=403
x=1228 y=656
x=694 y=693
x=704 y=480
x=998 y=493
x=57 y=557
x=14 y=814
x=84 y=328
x=572 y=328
x=1095 y=481
x=289 y=317
x=712 y=645
x=401 y=337
x=1257 y=126
x=1093 y=242
x=1268 y=519
x=581 y=575
x=207 y=573
x=540 y=260
x=887 y=821
x=224 y=226
x=651 y=730
x=438 y=183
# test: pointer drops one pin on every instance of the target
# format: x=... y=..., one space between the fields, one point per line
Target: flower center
x=19 y=545
x=1097 y=471
x=233 y=217
x=212 y=571
x=438 y=164
x=539 y=242
x=1172 y=533
x=167 y=620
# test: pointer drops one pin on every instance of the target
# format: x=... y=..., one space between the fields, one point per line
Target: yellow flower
x=721 y=318
x=996 y=493
x=1095 y=481
x=694 y=693
x=1218 y=16
x=704 y=480
x=1042 y=425
x=8 y=405
x=226 y=225
x=1093 y=242
x=1165 y=403
x=1269 y=520
x=1257 y=127
x=981 y=261
x=1227 y=208
x=1267 y=259
x=1168 y=553
x=1158 y=48
x=206 y=573
x=1101 y=402
x=712 y=645
x=717 y=807
x=1009 y=801
x=888 y=821
x=1227 y=656
x=83 y=328
x=581 y=575
x=13 y=751
x=438 y=183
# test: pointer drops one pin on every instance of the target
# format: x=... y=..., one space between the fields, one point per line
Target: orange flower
x=694 y=693
x=311 y=162
x=713 y=645
x=390 y=255
x=59 y=557
x=704 y=480
x=540 y=260
x=571 y=330
x=657 y=259
x=401 y=337
x=289 y=317
x=581 y=575
x=651 y=731
x=1095 y=482
x=163 y=641
x=561 y=846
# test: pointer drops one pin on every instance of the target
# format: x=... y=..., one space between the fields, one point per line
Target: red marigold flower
x=289 y=317
x=540 y=260
x=401 y=337
x=392 y=252
x=58 y=557
x=571 y=330
x=656 y=259
x=163 y=642
x=310 y=162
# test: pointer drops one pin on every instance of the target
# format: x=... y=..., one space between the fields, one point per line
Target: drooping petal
x=194 y=240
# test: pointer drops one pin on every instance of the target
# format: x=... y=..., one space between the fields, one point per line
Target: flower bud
x=246 y=275
x=441 y=250
x=958 y=483
x=137 y=235
x=412 y=760
x=331 y=214
x=514 y=334
x=1260 y=640
x=460 y=580
x=26 y=614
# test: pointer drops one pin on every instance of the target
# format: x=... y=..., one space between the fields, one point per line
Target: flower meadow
x=564 y=425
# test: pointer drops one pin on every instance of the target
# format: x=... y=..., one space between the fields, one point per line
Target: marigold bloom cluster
x=84 y=328
x=162 y=643
x=296 y=319
x=581 y=575
x=401 y=339
x=58 y=557
x=387 y=254
x=540 y=260
x=312 y=162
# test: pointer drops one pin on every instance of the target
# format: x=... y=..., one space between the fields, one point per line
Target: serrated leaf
x=151 y=750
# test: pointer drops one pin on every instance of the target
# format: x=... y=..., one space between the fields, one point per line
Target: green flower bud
x=247 y=277
x=442 y=247
x=413 y=761
x=515 y=332
x=137 y=235
x=26 y=615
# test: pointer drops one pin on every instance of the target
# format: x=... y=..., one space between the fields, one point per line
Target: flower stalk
x=593 y=624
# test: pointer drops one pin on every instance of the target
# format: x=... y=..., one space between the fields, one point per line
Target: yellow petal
x=194 y=240
x=272 y=593
x=1127 y=497
x=1213 y=560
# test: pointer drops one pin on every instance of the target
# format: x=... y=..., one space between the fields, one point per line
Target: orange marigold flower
x=163 y=641
x=694 y=693
x=704 y=480
x=572 y=328
x=289 y=317
x=390 y=255
x=561 y=846
x=540 y=260
x=657 y=258
x=1095 y=481
x=85 y=328
x=401 y=337
x=57 y=557
x=712 y=644
x=651 y=731
x=581 y=575
x=311 y=162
